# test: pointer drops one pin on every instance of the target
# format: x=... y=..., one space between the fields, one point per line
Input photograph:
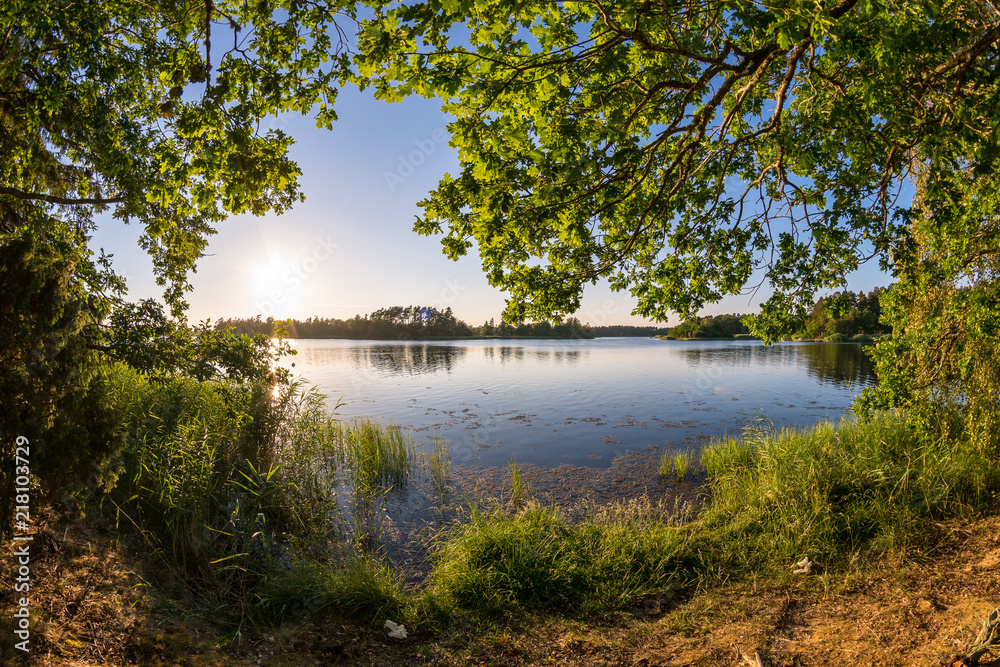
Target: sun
x=268 y=276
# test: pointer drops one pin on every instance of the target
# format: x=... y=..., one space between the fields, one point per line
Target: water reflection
x=839 y=363
x=420 y=359
x=505 y=353
x=389 y=359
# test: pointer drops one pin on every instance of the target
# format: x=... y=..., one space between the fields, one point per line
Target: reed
x=379 y=456
x=440 y=465
x=516 y=484
x=676 y=463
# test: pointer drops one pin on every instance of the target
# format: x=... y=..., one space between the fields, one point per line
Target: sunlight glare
x=268 y=276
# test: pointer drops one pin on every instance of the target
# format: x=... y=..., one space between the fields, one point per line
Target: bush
x=218 y=474
x=54 y=392
x=836 y=338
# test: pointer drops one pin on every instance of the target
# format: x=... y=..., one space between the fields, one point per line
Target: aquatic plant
x=378 y=455
x=439 y=462
x=516 y=484
x=676 y=463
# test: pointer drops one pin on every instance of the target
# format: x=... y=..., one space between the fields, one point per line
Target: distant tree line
x=403 y=322
x=623 y=330
x=571 y=328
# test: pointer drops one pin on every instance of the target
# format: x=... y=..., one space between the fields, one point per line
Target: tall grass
x=379 y=456
x=676 y=463
x=217 y=476
x=361 y=587
x=834 y=492
x=500 y=562
x=516 y=484
x=440 y=465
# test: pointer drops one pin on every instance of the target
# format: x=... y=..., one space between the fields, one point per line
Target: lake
x=580 y=402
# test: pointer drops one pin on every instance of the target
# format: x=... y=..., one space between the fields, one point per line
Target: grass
x=216 y=475
x=677 y=463
x=440 y=465
x=380 y=456
x=516 y=484
x=359 y=586
x=500 y=562
x=841 y=494
x=834 y=492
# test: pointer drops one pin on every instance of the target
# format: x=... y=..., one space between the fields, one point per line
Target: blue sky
x=349 y=248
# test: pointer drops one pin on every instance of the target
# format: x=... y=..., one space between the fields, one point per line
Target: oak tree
x=687 y=150
x=152 y=112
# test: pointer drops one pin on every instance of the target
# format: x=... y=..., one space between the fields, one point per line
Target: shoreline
x=438 y=338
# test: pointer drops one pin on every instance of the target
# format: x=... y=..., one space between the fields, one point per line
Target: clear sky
x=349 y=248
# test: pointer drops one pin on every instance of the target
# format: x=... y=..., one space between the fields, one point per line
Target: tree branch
x=64 y=201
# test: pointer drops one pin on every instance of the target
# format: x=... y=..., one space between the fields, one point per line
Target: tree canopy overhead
x=682 y=149
x=151 y=110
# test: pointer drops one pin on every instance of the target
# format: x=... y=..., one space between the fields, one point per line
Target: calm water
x=581 y=402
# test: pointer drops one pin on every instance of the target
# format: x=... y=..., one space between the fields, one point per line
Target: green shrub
x=55 y=393
x=218 y=475
x=836 y=338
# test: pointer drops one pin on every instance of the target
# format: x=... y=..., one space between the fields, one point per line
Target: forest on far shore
x=404 y=323
x=842 y=314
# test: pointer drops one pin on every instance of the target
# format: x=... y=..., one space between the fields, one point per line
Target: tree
x=683 y=150
x=132 y=108
x=53 y=396
x=945 y=315
x=145 y=338
x=126 y=108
